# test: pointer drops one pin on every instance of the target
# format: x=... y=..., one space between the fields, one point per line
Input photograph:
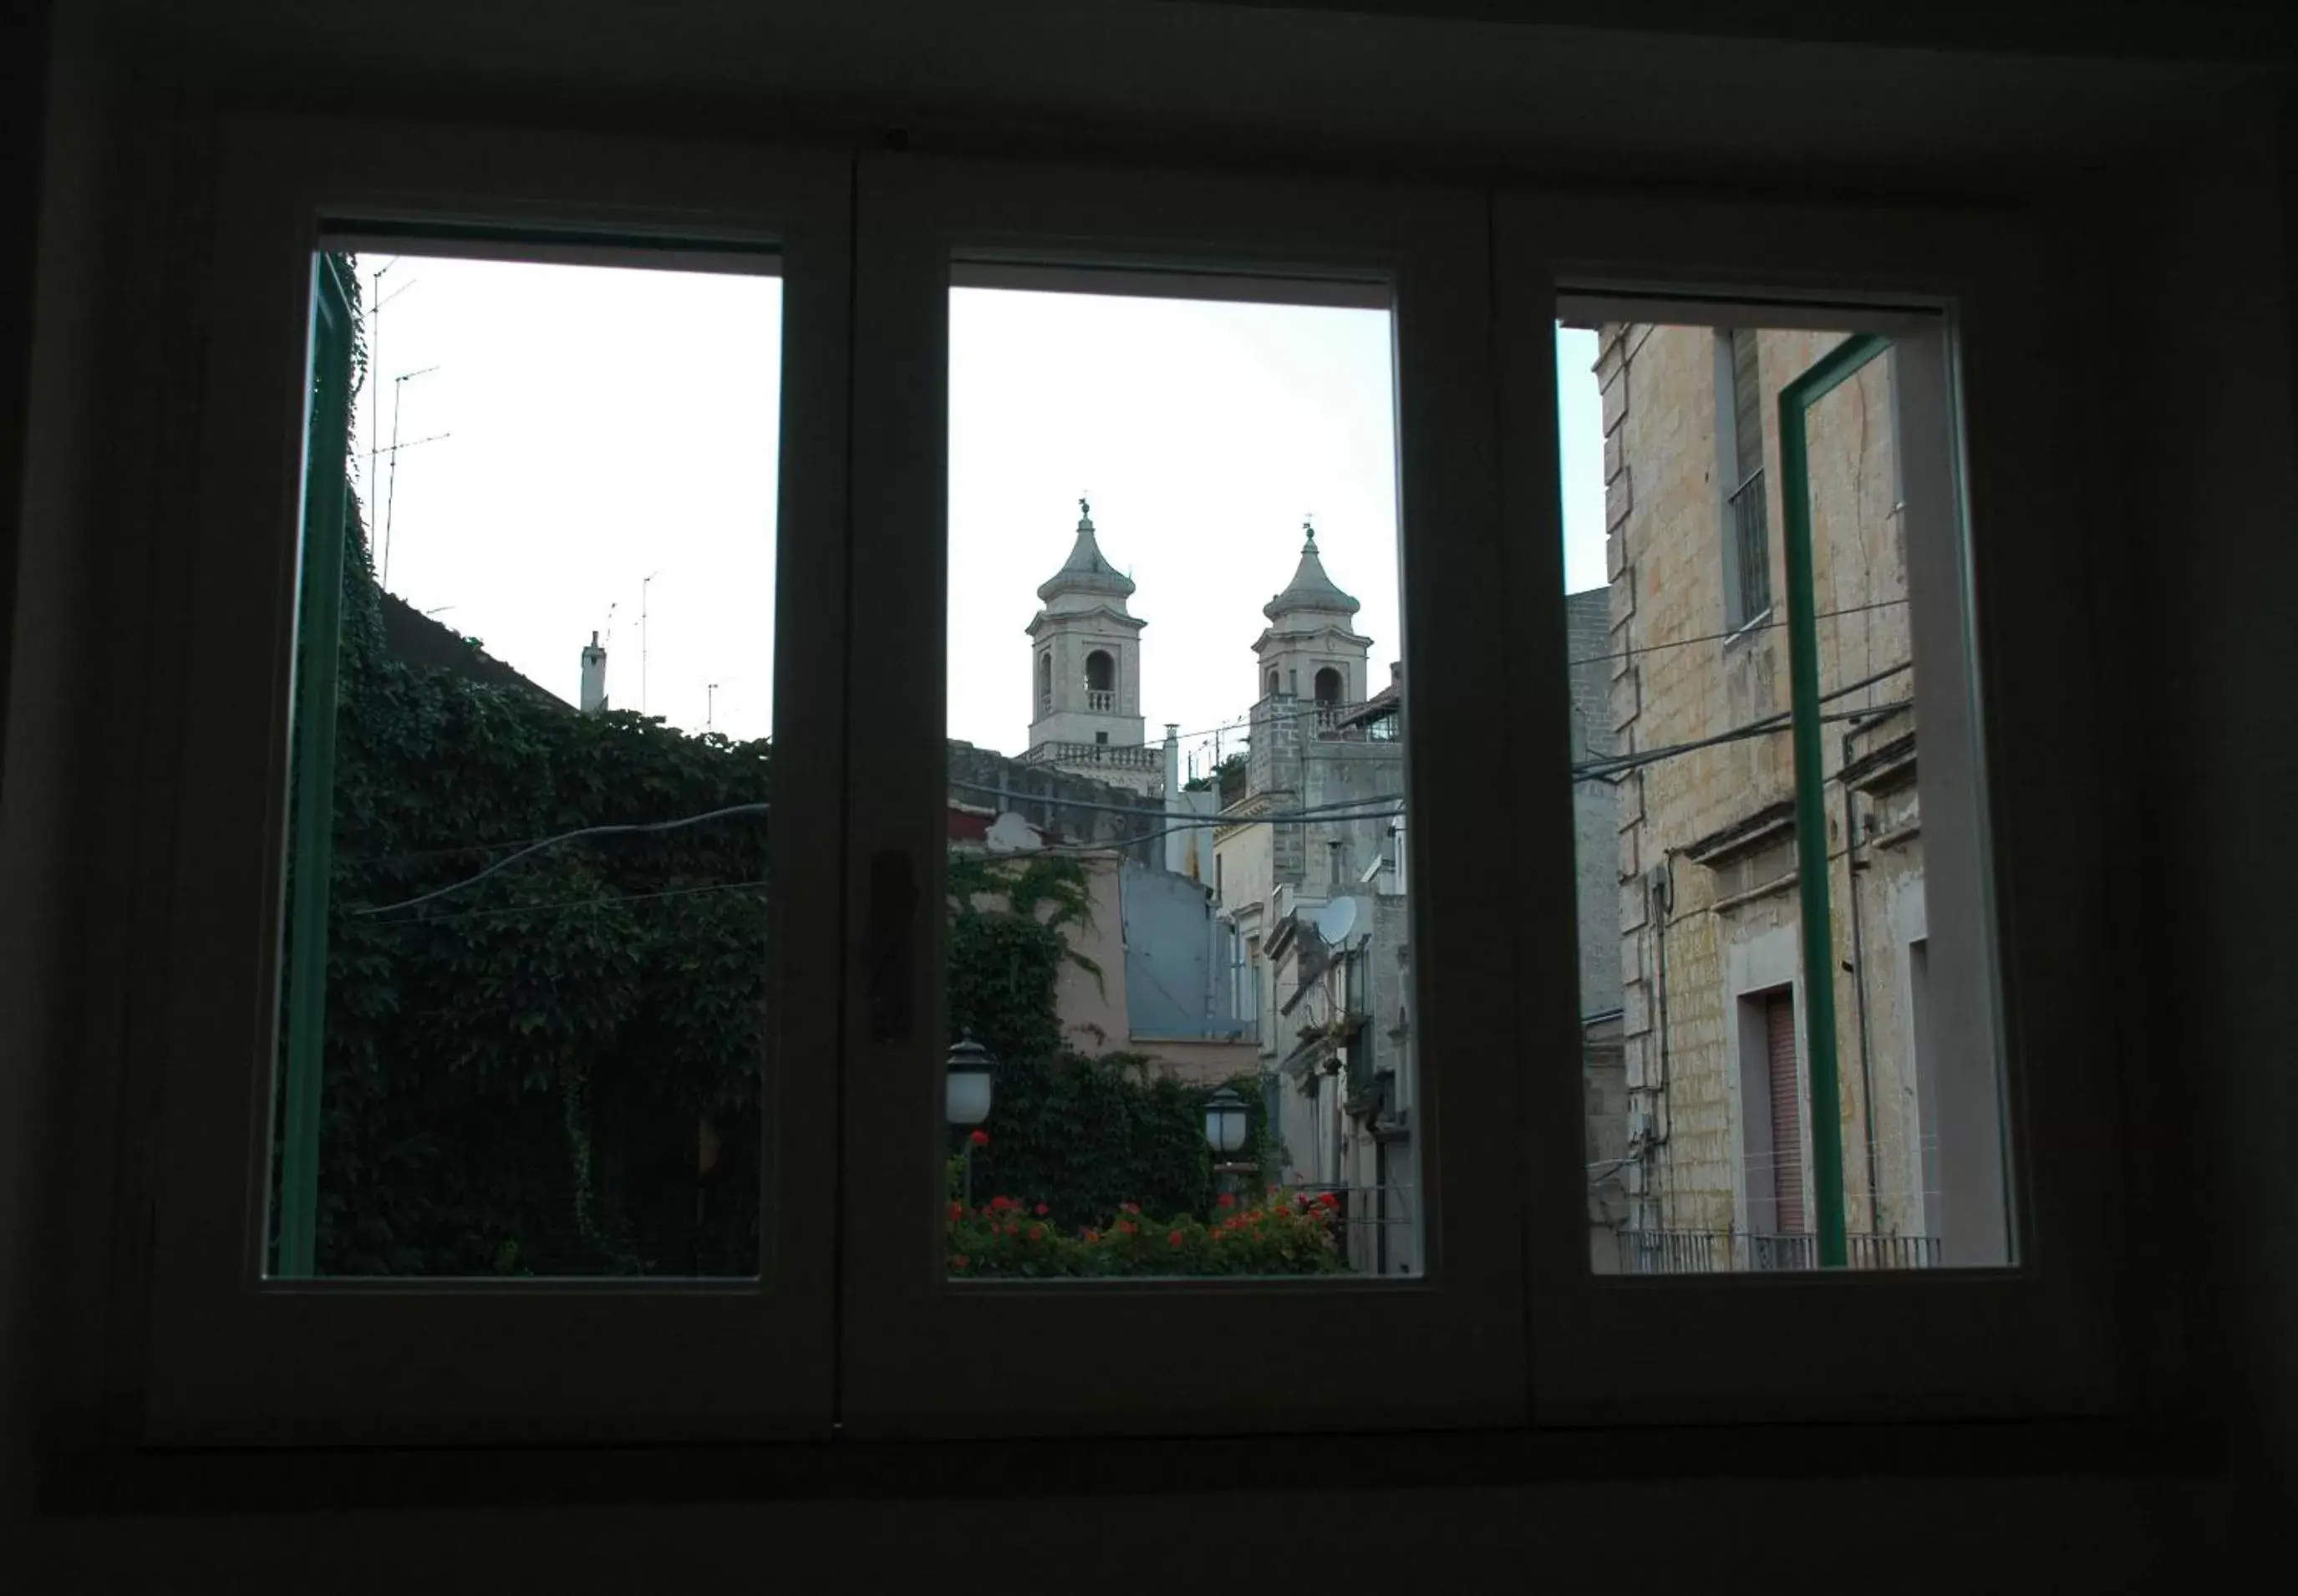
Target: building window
x=1740 y=449
x=1929 y=1170
x=1101 y=683
x=1046 y=683
x=1772 y=1100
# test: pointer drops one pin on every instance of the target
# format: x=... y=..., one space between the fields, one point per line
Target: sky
x=604 y=424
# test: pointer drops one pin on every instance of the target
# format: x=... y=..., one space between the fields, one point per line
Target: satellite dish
x=1337 y=919
x=1009 y=833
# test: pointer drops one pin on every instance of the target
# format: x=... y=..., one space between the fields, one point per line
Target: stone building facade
x=1595 y=819
x=1714 y=1132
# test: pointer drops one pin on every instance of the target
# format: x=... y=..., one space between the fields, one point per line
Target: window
x=1217 y=389
x=1776 y=1044
x=1115 y=1002
x=1761 y=792
x=1787 y=805
x=476 y=1005
x=1101 y=685
x=1771 y=1109
x=1747 y=538
x=488 y=1064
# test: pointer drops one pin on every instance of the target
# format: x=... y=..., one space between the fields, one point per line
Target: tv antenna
x=643 y=586
x=390 y=496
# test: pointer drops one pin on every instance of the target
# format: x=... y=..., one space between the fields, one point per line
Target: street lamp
x=1224 y=1121
x=1226 y=1127
x=966 y=1094
x=965 y=1083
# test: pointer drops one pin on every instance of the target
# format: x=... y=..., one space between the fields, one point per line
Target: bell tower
x=1310 y=651
x=1084 y=659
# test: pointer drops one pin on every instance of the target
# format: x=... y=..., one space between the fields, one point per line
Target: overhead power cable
x=574 y=903
x=564 y=836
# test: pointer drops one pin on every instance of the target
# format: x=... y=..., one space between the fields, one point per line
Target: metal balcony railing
x=1672 y=1252
x=1726 y=1252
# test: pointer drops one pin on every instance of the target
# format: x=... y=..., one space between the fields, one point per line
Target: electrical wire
x=1681 y=643
x=1718 y=637
x=574 y=903
x=1623 y=763
x=1396 y=807
x=1371 y=808
x=1609 y=769
x=572 y=836
x=1313 y=812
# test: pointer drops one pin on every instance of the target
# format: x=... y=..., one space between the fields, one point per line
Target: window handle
x=893 y=912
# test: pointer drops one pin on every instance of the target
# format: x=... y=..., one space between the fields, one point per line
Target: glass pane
x=1736 y=1119
x=536 y=886
x=1178 y=915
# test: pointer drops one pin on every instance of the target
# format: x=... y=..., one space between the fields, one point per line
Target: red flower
x=1001 y=1204
x=1226 y=1200
x=1127 y=1227
x=980 y=1139
x=1326 y=1200
x=1036 y=1233
x=1174 y=1237
x=957 y=1211
x=1131 y=1207
x=1043 y=1209
x=1093 y=1235
x=960 y=1262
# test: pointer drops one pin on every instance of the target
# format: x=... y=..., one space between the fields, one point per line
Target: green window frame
x=312 y=770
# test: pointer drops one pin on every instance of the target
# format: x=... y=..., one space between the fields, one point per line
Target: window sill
x=127 y=1482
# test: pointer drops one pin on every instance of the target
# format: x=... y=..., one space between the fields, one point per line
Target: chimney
x=594 y=677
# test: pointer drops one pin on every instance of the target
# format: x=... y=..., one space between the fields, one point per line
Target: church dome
x=1311 y=589
x=1085 y=571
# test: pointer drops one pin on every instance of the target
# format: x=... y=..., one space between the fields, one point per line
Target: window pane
x=525 y=991
x=1177 y=920
x=1741 y=832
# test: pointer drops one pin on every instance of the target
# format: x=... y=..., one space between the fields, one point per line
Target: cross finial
x=1084 y=508
x=1309 y=526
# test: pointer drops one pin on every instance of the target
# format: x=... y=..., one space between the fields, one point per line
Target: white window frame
x=234 y=1356
x=923 y=1355
x=2037 y=1336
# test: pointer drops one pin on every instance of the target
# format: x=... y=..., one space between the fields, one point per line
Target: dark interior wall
x=2220 y=513
x=2221 y=549
x=51 y=139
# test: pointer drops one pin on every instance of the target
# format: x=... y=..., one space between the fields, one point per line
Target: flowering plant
x=1280 y=1231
